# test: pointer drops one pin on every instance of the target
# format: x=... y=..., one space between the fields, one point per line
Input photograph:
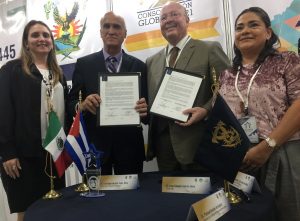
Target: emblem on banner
x=67 y=33
x=226 y=135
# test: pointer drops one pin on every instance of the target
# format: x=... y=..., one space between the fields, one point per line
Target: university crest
x=225 y=135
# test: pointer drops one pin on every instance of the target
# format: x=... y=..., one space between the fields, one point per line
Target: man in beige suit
x=173 y=143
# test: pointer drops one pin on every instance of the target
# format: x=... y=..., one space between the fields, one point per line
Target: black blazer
x=124 y=142
x=20 y=111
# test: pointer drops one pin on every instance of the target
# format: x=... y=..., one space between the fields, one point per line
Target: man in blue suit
x=123 y=146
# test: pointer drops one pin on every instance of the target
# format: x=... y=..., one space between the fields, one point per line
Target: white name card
x=246 y=183
x=192 y=185
x=210 y=208
x=119 y=182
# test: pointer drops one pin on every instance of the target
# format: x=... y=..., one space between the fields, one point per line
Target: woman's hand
x=257 y=156
x=12 y=167
x=197 y=114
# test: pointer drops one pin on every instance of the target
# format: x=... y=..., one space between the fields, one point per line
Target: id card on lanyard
x=247 y=122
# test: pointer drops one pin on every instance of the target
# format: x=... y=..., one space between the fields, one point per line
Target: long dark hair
x=269 y=46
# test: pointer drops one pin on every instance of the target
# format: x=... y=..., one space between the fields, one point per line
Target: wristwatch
x=271 y=142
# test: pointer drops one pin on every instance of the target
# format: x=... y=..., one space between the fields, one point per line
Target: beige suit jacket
x=197 y=57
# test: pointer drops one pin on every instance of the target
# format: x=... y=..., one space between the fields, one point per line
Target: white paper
x=119 y=182
x=119 y=94
x=246 y=183
x=192 y=185
x=177 y=93
x=210 y=208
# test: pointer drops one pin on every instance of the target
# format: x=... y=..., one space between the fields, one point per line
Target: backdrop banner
x=284 y=15
x=74 y=24
x=143 y=24
x=12 y=21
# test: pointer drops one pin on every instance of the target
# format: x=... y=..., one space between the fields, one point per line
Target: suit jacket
x=126 y=143
x=197 y=57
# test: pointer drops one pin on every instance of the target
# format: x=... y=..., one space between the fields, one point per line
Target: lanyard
x=245 y=101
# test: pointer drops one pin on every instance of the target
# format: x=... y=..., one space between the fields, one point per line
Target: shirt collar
x=117 y=56
x=180 y=44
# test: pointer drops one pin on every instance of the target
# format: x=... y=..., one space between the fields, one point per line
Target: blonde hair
x=27 y=57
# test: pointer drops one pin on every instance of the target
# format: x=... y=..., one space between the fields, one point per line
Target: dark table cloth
x=143 y=204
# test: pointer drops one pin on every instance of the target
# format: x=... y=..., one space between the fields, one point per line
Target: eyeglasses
x=164 y=17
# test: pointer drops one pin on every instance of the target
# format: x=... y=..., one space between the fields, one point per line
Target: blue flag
x=77 y=143
x=224 y=143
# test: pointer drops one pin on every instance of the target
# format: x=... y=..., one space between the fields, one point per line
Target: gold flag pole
x=52 y=194
x=82 y=187
x=232 y=198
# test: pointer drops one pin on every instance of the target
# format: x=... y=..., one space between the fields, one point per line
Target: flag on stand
x=54 y=144
x=224 y=143
x=77 y=143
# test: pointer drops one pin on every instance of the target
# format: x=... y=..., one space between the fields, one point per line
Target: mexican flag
x=54 y=144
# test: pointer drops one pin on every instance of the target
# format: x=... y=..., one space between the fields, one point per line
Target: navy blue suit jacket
x=125 y=143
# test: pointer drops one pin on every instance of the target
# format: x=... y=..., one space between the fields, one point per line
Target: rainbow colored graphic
x=287 y=27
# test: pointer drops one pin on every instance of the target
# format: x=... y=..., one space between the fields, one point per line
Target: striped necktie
x=111 y=64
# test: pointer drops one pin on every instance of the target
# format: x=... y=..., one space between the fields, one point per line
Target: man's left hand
x=141 y=107
x=197 y=114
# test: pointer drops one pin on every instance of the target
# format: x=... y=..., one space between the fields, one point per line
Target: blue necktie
x=111 y=64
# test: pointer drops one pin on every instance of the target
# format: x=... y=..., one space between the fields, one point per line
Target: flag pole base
x=52 y=194
x=233 y=198
x=82 y=187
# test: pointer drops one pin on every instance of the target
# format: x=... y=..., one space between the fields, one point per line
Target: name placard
x=119 y=182
x=192 y=185
x=210 y=208
x=246 y=183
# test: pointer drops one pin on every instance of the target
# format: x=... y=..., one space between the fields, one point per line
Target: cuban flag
x=77 y=143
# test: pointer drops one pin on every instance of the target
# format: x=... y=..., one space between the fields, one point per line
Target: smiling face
x=113 y=31
x=39 y=41
x=173 y=22
x=251 y=33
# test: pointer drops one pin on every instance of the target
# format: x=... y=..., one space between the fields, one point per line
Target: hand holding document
x=119 y=94
x=177 y=92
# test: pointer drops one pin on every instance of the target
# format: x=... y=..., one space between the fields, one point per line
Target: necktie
x=173 y=56
x=111 y=64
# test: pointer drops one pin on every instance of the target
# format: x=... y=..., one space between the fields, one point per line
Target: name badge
x=192 y=185
x=246 y=183
x=248 y=123
x=119 y=182
x=210 y=208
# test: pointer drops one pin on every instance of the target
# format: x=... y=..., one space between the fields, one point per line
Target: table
x=143 y=204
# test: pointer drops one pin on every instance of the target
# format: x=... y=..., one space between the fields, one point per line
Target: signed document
x=119 y=93
x=177 y=92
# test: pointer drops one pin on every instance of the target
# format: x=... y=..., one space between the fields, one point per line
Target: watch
x=271 y=142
